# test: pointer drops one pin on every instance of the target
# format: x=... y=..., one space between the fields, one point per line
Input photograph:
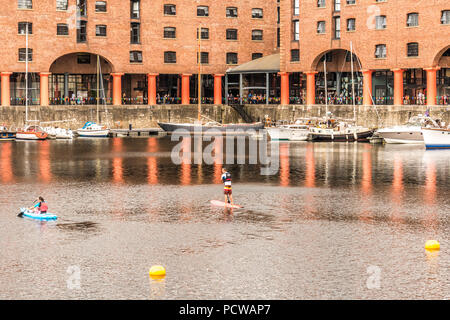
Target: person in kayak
x=40 y=207
x=226 y=179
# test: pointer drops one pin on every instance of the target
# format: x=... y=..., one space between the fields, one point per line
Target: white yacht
x=93 y=130
x=289 y=132
x=411 y=132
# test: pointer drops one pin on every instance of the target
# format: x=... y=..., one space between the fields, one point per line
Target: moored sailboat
x=92 y=129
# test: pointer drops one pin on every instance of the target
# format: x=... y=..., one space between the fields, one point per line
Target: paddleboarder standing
x=226 y=179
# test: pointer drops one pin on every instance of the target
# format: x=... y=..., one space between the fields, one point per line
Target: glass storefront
x=18 y=89
x=339 y=87
x=383 y=87
x=78 y=89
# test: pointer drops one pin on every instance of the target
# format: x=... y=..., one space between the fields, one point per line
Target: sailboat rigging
x=93 y=129
x=29 y=132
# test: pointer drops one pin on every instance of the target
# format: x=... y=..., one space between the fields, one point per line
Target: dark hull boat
x=171 y=127
x=361 y=136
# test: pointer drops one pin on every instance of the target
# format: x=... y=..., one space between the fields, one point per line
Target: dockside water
x=337 y=221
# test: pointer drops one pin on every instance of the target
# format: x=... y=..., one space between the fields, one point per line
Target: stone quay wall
x=145 y=116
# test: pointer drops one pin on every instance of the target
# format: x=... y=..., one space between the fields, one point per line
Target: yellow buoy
x=432 y=245
x=157 y=271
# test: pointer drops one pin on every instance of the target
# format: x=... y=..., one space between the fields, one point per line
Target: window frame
x=97 y=7
x=206 y=12
x=23 y=52
x=168 y=55
x=416 y=49
x=167 y=33
x=27 y=3
x=28 y=25
x=381 y=45
x=227 y=12
x=257 y=37
x=100 y=27
x=136 y=53
x=228 y=58
x=229 y=31
x=256 y=16
x=59 y=25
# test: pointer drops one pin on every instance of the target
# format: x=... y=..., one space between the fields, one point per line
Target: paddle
x=21 y=213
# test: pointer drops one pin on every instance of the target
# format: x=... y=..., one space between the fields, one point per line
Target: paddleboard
x=31 y=214
x=224 y=204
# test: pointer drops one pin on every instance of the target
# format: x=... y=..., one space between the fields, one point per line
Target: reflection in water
x=152 y=164
x=397 y=189
x=284 y=164
x=310 y=178
x=6 y=172
x=146 y=207
x=366 y=182
x=117 y=160
x=430 y=195
x=45 y=173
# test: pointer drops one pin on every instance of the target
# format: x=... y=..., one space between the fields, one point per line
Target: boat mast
x=353 y=83
x=326 y=87
x=98 y=89
x=26 y=75
x=199 y=73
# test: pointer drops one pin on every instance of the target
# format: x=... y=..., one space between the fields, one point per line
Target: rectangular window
x=202 y=11
x=61 y=4
x=23 y=27
x=204 y=33
x=170 y=57
x=136 y=56
x=337 y=27
x=412 y=20
x=100 y=30
x=232 y=12
x=82 y=31
x=170 y=32
x=204 y=56
x=321 y=27
x=256 y=55
x=170 y=10
x=296 y=7
x=296 y=30
x=295 y=55
x=232 y=34
x=135 y=33
x=232 y=58
x=135 y=9
x=337 y=5
x=84 y=58
x=257 y=35
x=257 y=13
x=82 y=8
x=351 y=1
x=62 y=29
x=23 y=54
x=25 y=4
x=412 y=49
x=321 y=3
x=351 y=24
x=380 y=22
x=445 y=17
x=380 y=51
x=100 y=6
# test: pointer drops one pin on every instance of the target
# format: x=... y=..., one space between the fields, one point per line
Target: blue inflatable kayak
x=31 y=214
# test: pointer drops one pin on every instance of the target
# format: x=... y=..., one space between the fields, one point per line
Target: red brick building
x=401 y=51
x=147 y=49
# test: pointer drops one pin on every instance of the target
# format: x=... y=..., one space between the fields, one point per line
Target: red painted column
x=44 y=87
x=152 y=88
x=6 y=100
x=431 y=85
x=367 y=87
x=185 y=88
x=398 y=86
x=284 y=88
x=311 y=87
x=117 y=88
x=218 y=88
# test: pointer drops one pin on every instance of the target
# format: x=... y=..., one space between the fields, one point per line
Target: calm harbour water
x=315 y=230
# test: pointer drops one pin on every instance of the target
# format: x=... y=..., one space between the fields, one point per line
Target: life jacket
x=43 y=207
